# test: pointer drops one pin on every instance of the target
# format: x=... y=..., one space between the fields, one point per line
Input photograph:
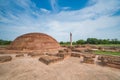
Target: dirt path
x=27 y=68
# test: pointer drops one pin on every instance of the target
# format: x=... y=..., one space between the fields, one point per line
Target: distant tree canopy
x=4 y=42
x=88 y=41
x=93 y=41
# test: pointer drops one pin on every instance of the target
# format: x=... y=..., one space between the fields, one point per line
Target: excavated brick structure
x=35 y=41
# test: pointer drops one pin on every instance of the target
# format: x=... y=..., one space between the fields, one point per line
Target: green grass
x=107 y=45
x=4 y=45
x=107 y=53
x=111 y=45
x=67 y=45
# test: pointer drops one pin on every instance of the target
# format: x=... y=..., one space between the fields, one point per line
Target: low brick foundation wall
x=88 y=60
x=20 y=55
x=5 y=58
x=32 y=54
x=49 y=59
x=75 y=55
x=63 y=55
x=112 y=61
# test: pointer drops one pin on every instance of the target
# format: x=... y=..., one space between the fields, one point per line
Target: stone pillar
x=70 y=39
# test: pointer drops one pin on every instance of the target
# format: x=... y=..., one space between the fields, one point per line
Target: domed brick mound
x=35 y=41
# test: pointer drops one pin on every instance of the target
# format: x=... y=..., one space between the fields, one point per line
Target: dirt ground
x=28 y=68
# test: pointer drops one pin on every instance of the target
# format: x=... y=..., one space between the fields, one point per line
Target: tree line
x=81 y=41
x=93 y=41
x=4 y=42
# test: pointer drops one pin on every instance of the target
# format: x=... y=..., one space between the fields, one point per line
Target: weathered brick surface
x=50 y=59
x=34 y=54
x=20 y=55
x=53 y=54
x=63 y=55
x=112 y=61
x=1 y=52
x=82 y=50
x=88 y=55
x=65 y=51
x=35 y=41
x=89 y=60
x=5 y=58
x=61 y=51
x=75 y=55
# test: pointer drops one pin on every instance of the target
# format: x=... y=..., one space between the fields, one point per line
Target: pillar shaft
x=70 y=39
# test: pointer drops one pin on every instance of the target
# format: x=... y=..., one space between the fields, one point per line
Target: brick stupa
x=35 y=41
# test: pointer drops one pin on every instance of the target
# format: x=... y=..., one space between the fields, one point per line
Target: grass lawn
x=107 y=53
x=111 y=45
x=4 y=45
x=107 y=45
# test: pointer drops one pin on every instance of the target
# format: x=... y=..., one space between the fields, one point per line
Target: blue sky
x=84 y=18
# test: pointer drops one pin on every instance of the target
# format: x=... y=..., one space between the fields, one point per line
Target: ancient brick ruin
x=49 y=51
x=5 y=58
x=35 y=41
x=50 y=59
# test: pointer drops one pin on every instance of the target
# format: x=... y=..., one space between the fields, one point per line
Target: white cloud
x=66 y=8
x=101 y=8
x=91 y=21
x=82 y=29
x=54 y=5
x=88 y=22
x=44 y=10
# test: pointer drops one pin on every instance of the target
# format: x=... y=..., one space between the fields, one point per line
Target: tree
x=92 y=41
x=61 y=42
x=80 y=42
x=4 y=42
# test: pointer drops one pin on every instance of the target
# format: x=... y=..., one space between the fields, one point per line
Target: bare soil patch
x=29 y=68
